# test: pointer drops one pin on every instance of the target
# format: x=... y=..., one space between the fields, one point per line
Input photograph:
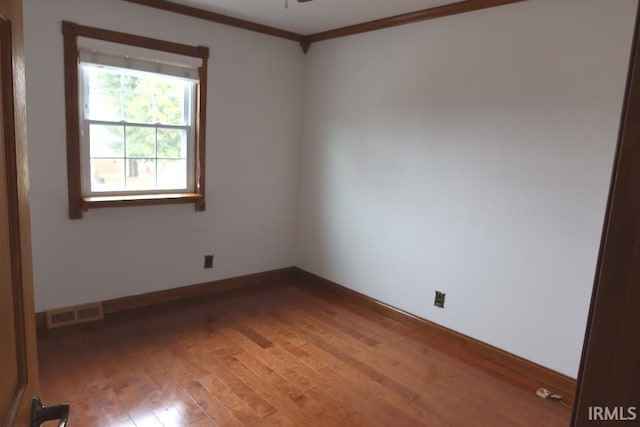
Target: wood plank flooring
x=274 y=356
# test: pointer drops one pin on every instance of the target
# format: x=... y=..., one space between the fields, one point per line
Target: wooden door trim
x=16 y=173
x=612 y=291
x=6 y=67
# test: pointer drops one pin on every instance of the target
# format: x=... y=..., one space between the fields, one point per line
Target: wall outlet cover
x=439 y=300
x=208 y=261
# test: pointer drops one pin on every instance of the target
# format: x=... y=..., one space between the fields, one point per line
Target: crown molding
x=219 y=18
x=305 y=41
x=409 y=18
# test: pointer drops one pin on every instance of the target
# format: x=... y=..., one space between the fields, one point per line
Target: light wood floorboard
x=278 y=356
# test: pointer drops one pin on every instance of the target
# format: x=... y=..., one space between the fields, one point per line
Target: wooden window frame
x=77 y=201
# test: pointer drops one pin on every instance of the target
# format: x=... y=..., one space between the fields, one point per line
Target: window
x=137 y=133
x=135 y=120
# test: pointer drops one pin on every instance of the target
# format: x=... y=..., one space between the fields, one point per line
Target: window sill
x=142 y=200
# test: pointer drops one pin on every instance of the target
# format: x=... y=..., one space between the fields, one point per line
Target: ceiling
x=314 y=16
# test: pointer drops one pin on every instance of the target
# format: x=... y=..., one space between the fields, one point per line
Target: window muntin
x=138 y=131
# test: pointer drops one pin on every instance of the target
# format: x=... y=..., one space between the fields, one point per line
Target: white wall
x=252 y=128
x=470 y=154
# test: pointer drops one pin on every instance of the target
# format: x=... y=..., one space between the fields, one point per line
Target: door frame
x=17 y=182
x=14 y=225
x=609 y=375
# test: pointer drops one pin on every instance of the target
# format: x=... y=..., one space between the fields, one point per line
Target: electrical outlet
x=439 y=300
x=208 y=261
x=543 y=393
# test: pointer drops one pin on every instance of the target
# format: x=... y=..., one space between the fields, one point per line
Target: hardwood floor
x=274 y=356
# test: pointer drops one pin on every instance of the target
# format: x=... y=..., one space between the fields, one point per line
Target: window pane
x=138 y=108
x=170 y=87
x=141 y=174
x=137 y=83
x=104 y=101
x=172 y=143
x=107 y=174
x=106 y=141
x=140 y=142
x=170 y=110
x=104 y=105
x=103 y=78
x=129 y=148
x=172 y=174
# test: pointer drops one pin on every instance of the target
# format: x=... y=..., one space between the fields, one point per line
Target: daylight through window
x=137 y=132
